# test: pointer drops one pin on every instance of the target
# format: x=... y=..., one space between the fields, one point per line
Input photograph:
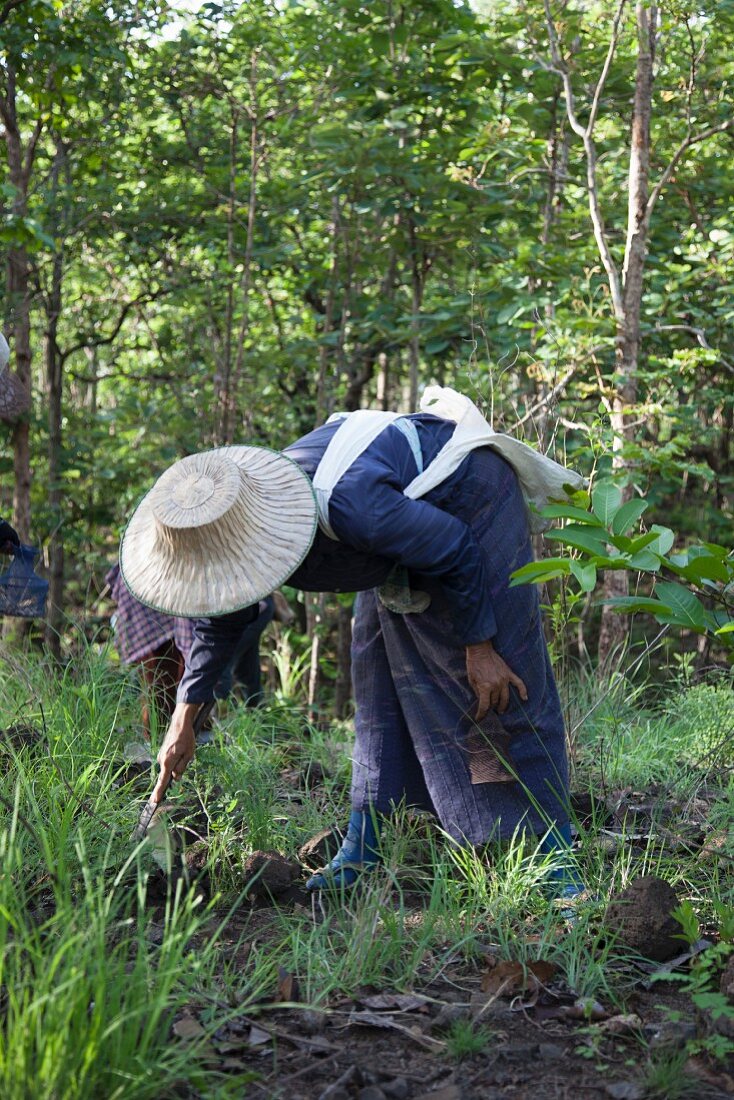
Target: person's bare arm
x=178 y=748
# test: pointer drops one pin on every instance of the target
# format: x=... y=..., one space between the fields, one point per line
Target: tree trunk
x=614 y=629
x=416 y=289
x=322 y=390
x=54 y=380
x=246 y=279
x=225 y=368
x=19 y=326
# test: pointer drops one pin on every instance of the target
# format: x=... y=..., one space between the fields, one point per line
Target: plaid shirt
x=139 y=630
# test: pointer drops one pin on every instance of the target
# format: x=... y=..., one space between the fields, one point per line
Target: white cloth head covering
x=541 y=478
x=219 y=531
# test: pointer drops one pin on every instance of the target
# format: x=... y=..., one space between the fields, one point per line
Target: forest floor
x=195 y=965
x=462 y=1035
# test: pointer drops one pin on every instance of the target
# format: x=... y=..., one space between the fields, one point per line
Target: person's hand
x=8 y=537
x=178 y=748
x=490 y=679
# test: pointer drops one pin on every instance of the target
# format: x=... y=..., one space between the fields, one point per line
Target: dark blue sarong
x=416 y=740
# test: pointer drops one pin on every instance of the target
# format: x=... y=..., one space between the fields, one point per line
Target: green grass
x=91 y=984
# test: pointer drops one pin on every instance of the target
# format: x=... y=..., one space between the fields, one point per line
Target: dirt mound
x=640 y=916
x=269 y=874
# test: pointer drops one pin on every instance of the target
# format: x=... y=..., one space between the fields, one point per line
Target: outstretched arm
x=212 y=648
x=178 y=748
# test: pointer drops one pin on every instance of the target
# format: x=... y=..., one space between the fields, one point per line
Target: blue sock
x=565 y=879
x=359 y=853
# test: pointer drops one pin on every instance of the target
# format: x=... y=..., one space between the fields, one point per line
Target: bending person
x=424 y=515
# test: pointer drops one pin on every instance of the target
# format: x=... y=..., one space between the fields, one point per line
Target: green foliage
x=702 y=982
x=253 y=223
x=600 y=539
x=708 y=709
x=464 y=1038
x=93 y=990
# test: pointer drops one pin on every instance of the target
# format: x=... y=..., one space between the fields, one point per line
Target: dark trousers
x=243 y=670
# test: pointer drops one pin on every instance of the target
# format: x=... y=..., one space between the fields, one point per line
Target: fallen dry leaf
x=188 y=1027
x=508 y=978
x=620 y=1025
x=287 y=986
x=382 y=1020
x=403 y=1002
x=626 y=1090
x=712 y=1076
x=584 y=1008
x=258 y=1037
x=448 y=1092
x=231 y=1065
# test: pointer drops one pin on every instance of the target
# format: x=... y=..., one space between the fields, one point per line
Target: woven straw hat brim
x=198 y=562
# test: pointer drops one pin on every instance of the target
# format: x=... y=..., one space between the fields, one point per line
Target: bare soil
x=387 y=1045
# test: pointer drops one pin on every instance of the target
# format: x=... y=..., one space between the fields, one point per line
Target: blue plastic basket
x=22 y=593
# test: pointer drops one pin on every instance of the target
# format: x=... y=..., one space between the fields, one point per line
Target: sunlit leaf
x=664 y=539
x=585 y=575
x=627 y=516
x=581 y=538
x=606 y=500
x=646 y=560
x=569 y=511
x=538 y=571
x=685 y=605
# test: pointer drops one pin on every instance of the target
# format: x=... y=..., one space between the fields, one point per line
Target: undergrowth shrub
x=704 y=713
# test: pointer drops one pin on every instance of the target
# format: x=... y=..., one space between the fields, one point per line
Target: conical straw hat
x=219 y=531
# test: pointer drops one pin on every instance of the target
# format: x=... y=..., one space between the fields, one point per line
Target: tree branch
x=586 y=135
x=30 y=152
x=613 y=42
x=100 y=341
x=700 y=335
x=548 y=399
x=8 y=7
x=559 y=66
x=688 y=141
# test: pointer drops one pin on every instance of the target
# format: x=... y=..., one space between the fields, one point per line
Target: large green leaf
x=606 y=500
x=642 y=541
x=664 y=539
x=627 y=516
x=685 y=606
x=535 y=572
x=570 y=511
x=636 y=603
x=581 y=538
x=704 y=567
x=585 y=575
x=646 y=560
